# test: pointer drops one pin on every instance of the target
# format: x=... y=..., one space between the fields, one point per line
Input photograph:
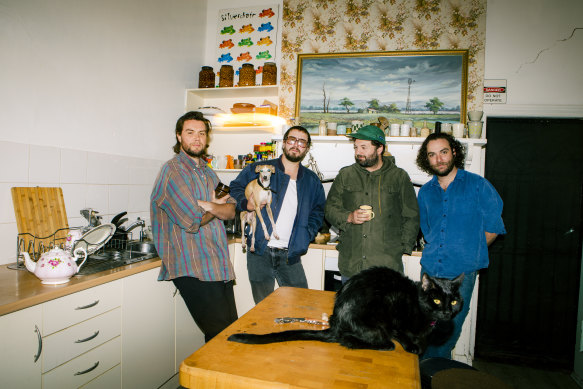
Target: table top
x=297 y=364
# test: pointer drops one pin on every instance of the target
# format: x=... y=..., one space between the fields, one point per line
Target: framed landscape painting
x=418 y=86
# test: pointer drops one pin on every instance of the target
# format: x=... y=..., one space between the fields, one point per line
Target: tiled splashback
x=107 y=183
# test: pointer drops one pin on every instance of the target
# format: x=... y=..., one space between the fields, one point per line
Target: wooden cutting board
x=40 y=211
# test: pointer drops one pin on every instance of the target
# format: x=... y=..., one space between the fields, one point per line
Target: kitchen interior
x=90 y=94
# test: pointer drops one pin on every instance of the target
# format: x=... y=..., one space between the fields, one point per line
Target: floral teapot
x=55 y=266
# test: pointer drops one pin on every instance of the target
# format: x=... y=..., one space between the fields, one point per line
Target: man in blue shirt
x=460 y=214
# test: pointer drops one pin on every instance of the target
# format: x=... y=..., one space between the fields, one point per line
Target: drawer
x=111 y=379
x=65 y=345
x=84 y=368
x=77 y=307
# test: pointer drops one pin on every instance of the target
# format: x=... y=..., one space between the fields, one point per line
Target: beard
x=193 y=153
x=446 y=171
x=294 y=158
x=367 y=161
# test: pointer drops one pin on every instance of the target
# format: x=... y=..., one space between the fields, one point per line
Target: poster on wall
x=247 y=35
x=494 y=91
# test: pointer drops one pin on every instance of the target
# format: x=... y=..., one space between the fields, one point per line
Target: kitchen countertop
x=21 y=289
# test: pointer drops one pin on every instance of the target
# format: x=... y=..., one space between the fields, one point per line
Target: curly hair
x=456 y=147
x=192 y=115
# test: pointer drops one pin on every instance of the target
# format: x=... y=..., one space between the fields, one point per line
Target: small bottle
x=322 y=130
x=425 y=130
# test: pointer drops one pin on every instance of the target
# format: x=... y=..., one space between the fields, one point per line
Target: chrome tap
x=138 y=223
x=91 y=216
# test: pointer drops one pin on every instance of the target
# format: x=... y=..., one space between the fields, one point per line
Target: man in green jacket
x=381 y=238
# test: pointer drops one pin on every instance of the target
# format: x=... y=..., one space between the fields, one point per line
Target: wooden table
x=222 y=364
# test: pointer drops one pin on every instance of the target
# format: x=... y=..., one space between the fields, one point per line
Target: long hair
x=457 y=149
x=192 y=115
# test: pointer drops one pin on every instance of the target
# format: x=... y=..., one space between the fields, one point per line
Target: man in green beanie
x=380 y=237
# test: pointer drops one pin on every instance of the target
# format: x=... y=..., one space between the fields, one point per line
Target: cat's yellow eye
x=454 y=302
x=437 y=301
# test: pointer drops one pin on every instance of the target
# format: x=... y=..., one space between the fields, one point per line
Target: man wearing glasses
x=298 y=209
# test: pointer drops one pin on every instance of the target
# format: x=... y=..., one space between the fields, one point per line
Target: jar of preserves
x=206 y=77
x=269 y=74
x=226 y=76
x=247 y=75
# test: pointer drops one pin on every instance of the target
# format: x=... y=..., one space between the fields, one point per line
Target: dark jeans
x=444 y=351
x=211 y=303
x=272 y=265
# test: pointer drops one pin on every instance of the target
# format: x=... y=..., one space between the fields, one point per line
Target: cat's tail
x=285 y=336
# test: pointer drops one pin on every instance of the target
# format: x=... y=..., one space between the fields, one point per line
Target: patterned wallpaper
x=329 y=26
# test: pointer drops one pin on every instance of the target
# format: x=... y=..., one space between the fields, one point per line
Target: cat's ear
x=459 y=279
x=426 y=282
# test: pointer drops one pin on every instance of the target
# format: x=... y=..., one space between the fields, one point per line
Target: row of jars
x=247 y=74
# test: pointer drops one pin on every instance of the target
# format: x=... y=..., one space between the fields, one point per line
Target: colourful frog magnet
x=246 y=42
x=228 y=30
x=245 y=57
x=226 y=44
x=265 y=27
x=247 y=28
x=225 y=58
x=263 y=55
x=267 y=13
x=265 y=41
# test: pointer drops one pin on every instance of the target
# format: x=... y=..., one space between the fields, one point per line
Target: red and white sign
x=494 y=91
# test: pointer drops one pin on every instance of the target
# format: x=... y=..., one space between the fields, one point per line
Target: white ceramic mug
x=395 y=129
x=332 y=125
x=405 y=129
x=458 y=130
x=368 y=210
x=446 y=128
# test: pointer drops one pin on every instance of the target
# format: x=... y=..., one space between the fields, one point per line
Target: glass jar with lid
x=247 y=75
x=206 y=77
x=226 y=76
x=269 y=74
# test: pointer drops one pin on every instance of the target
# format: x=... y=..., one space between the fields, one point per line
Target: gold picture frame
x=420 y=86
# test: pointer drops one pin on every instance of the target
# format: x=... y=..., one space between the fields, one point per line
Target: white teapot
x=55 y=266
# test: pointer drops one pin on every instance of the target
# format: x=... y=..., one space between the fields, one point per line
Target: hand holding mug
x=367 y=211
x=361 y=215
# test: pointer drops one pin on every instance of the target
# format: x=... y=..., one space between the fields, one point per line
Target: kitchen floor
x=524 y=377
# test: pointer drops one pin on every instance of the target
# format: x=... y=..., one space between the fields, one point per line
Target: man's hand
x=358 y=216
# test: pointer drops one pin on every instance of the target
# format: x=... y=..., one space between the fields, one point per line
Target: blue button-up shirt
x=454 y=223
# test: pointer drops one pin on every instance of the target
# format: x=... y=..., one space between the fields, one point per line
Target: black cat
x=379 y=305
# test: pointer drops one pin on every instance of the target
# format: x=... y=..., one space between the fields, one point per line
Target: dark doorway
x=527 y=310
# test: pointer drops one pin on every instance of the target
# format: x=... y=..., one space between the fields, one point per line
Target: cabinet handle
x=87 y=339
x=40 y=344
x=88 y=306
x=88 y=370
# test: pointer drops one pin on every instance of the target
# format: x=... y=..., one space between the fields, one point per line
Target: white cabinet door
x=189 y=337
x=20 y=342
x=243 y=295
x=147 y=330
x=313 y=263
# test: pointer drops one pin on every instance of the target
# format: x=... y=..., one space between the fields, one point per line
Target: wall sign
x=247 y=35
x=494 y=91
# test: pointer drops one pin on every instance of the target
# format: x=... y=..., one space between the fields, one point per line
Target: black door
x=527 y=309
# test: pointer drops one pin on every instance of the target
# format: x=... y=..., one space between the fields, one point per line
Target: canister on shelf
x=247 y=75
x=226 y=76
x=269 y=74
x=206 y=77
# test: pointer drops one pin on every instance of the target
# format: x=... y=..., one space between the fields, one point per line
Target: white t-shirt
x=287 y=215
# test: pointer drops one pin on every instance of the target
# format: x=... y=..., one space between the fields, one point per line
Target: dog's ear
x=257 y=168
x=272 y=168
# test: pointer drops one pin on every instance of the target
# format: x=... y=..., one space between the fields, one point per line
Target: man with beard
x=376 y=181
x=298 y=209
x=461 y=214
x=189 y=234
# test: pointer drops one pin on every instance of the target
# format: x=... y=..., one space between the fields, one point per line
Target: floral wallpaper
x=328 y=26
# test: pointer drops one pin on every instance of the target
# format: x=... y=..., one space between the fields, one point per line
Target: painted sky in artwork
x=384 y=78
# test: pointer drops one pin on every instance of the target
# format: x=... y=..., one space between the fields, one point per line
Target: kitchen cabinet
x=313 y=263
x=224 y=98
x=148 y=353
x=21 y=344
x=189 y=337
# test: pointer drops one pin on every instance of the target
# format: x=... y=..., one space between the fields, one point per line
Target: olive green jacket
x=394 y=228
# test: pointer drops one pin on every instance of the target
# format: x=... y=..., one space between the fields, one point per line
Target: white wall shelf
x=389 y=139
x=241 y=91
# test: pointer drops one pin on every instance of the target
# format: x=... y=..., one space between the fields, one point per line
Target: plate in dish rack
x=95 y=238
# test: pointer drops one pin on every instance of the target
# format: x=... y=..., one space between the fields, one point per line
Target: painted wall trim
x=534 y=110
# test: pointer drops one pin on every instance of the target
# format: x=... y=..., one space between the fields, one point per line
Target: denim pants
x=444 y=351
x=272 y=265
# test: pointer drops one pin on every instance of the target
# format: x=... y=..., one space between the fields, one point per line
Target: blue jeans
x=272 y=265
x=444 y=351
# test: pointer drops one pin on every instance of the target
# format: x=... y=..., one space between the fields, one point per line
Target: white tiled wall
x=107 y=183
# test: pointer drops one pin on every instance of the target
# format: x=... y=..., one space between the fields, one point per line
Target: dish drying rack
x=36 y=246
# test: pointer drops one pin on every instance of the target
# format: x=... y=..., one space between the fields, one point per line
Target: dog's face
x=265 y=172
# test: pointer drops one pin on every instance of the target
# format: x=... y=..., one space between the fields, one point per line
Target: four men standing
x=371 y=202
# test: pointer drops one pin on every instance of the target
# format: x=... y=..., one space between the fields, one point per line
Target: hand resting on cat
x=377 y=306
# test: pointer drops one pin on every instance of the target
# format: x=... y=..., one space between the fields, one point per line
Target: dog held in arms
x=260 y=192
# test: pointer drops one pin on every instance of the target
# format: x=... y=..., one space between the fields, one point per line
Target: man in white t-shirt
x=298 y=201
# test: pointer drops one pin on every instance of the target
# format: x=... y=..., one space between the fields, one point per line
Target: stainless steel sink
x=111 y=258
